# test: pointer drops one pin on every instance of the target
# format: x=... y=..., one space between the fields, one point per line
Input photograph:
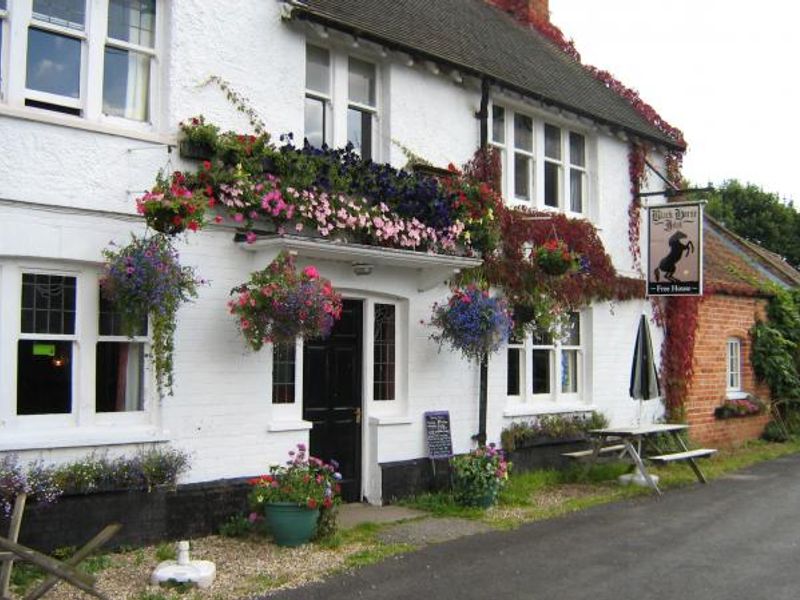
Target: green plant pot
x=290 y=524
x=196 y=150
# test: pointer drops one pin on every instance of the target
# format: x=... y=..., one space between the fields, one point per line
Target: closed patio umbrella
x=644 y=377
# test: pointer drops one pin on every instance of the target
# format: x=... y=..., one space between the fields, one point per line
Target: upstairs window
x=361 y=106
x=318 y=95
x=87 y=59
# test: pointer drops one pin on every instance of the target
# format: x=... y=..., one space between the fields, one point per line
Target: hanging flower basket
x=145 y=279
x=279 y=304
x=171 y=207
x=472 y=322
x=555 y=258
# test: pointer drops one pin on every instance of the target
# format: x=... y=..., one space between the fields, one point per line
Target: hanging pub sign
x=675 y=249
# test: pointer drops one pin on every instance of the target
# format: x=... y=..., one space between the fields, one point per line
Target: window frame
x=83 y=413
x=326 y=99
x=94 y=39
x=539 y=160
x=730 y=373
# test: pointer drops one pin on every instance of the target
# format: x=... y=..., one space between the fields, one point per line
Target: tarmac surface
x=736 y=538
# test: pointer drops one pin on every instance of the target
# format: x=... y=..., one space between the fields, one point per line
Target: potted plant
x=293 y=495
x=472 y=322
x=146 y=280
x=479 y=476
x=279 y=303
x=555 y=258
x=198 y=138
x=171 y=206
x=740 y=407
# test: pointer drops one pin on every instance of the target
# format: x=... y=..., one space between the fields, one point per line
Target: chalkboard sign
x=437 y=430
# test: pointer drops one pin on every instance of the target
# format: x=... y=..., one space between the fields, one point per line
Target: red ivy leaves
x=636 y=158
x=679 y=316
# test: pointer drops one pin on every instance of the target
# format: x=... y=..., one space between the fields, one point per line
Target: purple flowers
x=37 y=482
x=472 y=322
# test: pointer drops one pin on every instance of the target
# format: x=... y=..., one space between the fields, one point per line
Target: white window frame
x=4 y=31
x=94 y=38
x=538 y=159
x=326 y=99
x=733 y=366
x=556 y=397
x=83 y=415
x=338 y=101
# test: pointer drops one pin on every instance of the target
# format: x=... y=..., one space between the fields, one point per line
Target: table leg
x=597 y=444
x=698 y=473
x=642 y=469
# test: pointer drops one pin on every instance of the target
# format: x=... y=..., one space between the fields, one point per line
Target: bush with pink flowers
x=479 y=476
x=279 y=304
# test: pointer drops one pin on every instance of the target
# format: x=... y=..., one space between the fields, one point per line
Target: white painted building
x=91 y=94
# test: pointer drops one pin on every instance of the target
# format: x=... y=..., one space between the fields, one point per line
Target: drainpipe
x=483 y=114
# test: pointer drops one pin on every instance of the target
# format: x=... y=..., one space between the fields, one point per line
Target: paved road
x=736 y=538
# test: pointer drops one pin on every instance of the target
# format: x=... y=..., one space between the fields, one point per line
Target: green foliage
x=165 y=551
x=555 y=427
x=479 y=476
x=236 y=526
x=773 y=432
x=162 y=466
x=759 y=216
x=774 y=360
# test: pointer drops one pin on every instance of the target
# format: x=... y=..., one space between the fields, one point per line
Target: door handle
x=357 y=414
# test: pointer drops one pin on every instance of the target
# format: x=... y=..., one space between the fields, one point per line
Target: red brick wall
x=720 y=318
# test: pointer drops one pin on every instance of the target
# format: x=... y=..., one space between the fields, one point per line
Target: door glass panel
x=384 y=351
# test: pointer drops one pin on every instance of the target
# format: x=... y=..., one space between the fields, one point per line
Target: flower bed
x=479 y=476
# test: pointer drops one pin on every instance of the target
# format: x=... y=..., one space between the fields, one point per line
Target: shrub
x=773 y=432
x=479 y=476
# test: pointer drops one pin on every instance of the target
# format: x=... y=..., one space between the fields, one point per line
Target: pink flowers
x=311 y=272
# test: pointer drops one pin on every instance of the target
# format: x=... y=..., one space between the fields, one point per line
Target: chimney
x=526 y=12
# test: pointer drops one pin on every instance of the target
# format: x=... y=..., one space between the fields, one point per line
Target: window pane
x=2 y=4
x=110 y=321
x=577 y=149
x=318 y=69
x=119 y=378
x=44 y=377
x=576 y=190
x=362 y=82
x=315 y=122
x=283 y=366
x=48 y=304
x=126 y=84
x=552 y=142
x=359 y=131
x=499 y=124
x=571 y=335
x=67 y=13
x=384 y=349
x=513 y=377
x=522 y=169
x=132 y=21
x=523 y=132
x=552 y=173
x=54 y=63
x=542 y=338
x=569 y=371
x=541 y=372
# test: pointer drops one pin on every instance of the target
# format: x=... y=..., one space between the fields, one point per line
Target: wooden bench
x=678 y=456
x=590 y=452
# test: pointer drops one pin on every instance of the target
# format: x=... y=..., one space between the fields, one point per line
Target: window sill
x=81 y=437
x=41 y=116
x=535 y=409
x=736 y=395
x=290 y=426
x=386 y=421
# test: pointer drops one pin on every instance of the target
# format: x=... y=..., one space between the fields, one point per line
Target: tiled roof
x=483 y=40
x=734 y=265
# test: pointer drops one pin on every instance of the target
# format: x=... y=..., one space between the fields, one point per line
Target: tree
x=758 y=216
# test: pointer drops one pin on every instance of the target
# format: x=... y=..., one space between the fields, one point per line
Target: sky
x=726 y=72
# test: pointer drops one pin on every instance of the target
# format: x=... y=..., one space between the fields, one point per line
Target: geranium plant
x=171 y=206
x=198 y=138
x=740 y=407
x=555 y=258
x=145 y=279
x=472 y=322
x=304 y=480
x=279 y=303
x=479 y=476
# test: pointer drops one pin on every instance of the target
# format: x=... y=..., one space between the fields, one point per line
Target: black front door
x=332 y=397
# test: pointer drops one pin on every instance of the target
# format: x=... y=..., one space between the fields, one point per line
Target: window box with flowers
x=733 y=408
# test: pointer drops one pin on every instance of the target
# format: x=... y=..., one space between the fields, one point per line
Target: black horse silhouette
x=676 y=252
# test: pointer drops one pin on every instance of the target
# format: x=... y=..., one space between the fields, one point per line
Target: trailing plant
x=479 y=476
x=278 y=304
x=145 y=279
x=304 y=481
x=199 y=135
x=472 y=322
x=171 y=206
x=241 y=103
x=551 y=427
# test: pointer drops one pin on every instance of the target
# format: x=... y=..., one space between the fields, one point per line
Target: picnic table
x=640 y=443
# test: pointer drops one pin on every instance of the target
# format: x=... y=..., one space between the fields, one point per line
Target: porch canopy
x=431 y=269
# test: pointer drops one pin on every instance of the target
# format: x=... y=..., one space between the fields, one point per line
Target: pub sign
x=675 y=249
